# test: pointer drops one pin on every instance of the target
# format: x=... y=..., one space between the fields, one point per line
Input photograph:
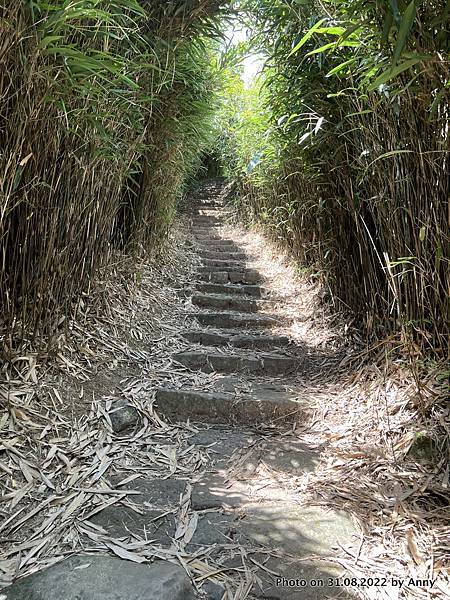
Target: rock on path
x=86 y=577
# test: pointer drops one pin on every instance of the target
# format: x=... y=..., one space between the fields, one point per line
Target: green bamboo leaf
x=331 y=30
x=306 y=37
x=358 y=114
x=322 y=48
x=49 y=39
x=393 y=72
x=332 y=45
x=340 y=67
x=351 y=31
x=405 y=27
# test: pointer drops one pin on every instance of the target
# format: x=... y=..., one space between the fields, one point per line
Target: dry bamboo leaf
x=190 y=528
x=47 y=481
x=5 y=468
x=76 y=503
x=124 y=554
x=82 y=567
x=412 y=547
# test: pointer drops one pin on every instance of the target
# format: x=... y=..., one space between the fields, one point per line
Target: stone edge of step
x=225 y=408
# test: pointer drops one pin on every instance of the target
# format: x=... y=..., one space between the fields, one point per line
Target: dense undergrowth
x=104 y=114
x=341 y=151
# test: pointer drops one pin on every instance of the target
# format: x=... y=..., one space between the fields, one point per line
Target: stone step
x=309 y=535
x=224 y=264
x=203 y=218
x=215 y=275
x=215 y=246
x=211 y=204
x=205 y=229
x=207 y=212
x=215 y=239
x=236 y=289
x=223 y=302
x=223 y=251
x=223 y=320
x=209 y=362
x=203 y=211
x=227 y=266
x=222 y=255
x=223 y=408
x=206 y=220
x=237 y=339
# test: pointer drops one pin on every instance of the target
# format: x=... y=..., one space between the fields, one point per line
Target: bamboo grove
x=351 y=154
x=340 y=149
x=104 y=111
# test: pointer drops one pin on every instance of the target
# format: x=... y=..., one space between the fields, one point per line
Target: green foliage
x=340 y=150
x=353 y=119
x=242 y=123
x=106 y=109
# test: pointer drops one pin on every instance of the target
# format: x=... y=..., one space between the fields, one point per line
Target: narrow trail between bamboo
x=228 y=464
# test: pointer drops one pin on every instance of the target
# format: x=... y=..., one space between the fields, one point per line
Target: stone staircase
x=245 y=502
x=232 y=332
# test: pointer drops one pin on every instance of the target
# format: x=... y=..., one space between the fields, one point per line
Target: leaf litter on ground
x=58 y=454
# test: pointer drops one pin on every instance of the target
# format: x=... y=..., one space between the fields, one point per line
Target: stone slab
x=222 y=255
x=206 y=211
x=206 y=219
x=214 y=491
x=227 y=302
x=213 y=528
x=301 y=533
x=248 y=276
x=95 y=577
x=217 y=275
x=155 y=493
x=289 y=457
x=214 y=239
x=221 y=442
x=243 y=478
x=224 y=264
x=235 y=320
x=236 y=339
x=123 y=522
x=209 y=362
x=181 y=405
x=255 y=291
x=215 y=245
x=205 y=229
x=219 y=247
x=298 y=580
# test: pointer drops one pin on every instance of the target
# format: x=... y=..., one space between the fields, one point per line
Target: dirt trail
x=220 y=486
